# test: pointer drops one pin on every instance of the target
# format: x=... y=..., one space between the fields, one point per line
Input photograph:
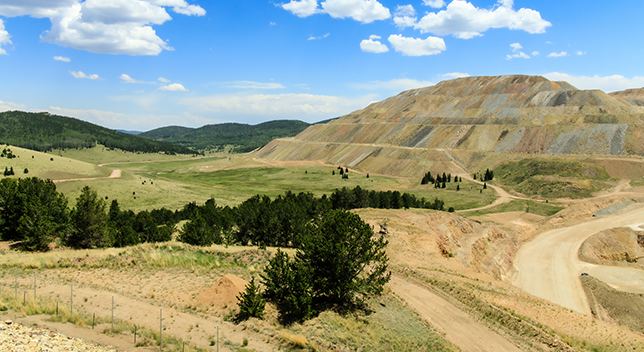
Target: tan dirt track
x=459 y=328
x=115 y=174
x=549 y=266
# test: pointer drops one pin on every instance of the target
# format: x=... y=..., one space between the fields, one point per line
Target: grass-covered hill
x=242 y=137
x=44 y=132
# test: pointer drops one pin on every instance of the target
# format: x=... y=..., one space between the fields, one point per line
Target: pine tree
x=251 y=303
x=89 y=222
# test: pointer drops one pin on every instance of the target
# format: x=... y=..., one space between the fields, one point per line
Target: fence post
x=134 y=335
x=34 y=287
x=112 y=314
x=71 y=301
x=160 y=329
x=15 y=283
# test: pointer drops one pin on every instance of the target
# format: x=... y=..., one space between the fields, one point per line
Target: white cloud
x=174 y=87
x=81 y=75
x=127 y=79
x=4 y=38
x=102 y=26
x=394 y=84
x=607 y=84
x=365 y=11
x=405 y=16
x=9 y=106
x=316 y=38
x=272 y=23
x=373 y=45
x=303 y=8
x=62 y=58
x=300 y=106
x=164 y=80
x=516 y=49
x=416 y=46
x=580 y=53
x=561 y=54
x=535 y=53
x=253 y=85
x=455 y=75
x=463 y=20
x=437 y=4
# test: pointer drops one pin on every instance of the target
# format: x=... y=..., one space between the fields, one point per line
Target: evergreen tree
x=251 y=303
x=197 y=232
x=89 y=222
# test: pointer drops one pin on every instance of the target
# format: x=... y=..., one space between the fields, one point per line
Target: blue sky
x=142 y=64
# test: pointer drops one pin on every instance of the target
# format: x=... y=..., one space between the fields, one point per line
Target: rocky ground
x=17 y=338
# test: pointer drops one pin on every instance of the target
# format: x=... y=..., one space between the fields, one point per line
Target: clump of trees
x=439 y=181
x=33 y=215
x=488 y=175
x=7 y=153
x=338 y=265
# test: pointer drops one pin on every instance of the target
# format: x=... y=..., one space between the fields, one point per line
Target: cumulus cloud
x=4 y=38
x=373 y=45
x=417 y=47
x=561 y=54
x=516 y=49
x=9 y=106
x=365 y=11
x=535 y=53
x=455 y=74
x=164 y=80
x=253 y=85
x=81 y=75
x=127 y=79
x=463 y=20
x=607 y=83
x=405 y=16
x=104 y=26
x=302 y=8
x=62 y=58
x=437 y=4
x=580 y=53
x=277 y=105
x=174 y=87
x=394 y=84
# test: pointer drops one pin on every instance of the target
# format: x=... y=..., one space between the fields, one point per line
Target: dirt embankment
x=619 y=246
x=613 y=306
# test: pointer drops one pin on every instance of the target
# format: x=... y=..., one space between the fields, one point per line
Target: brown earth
x=223 y=293
x=614 y=307
x=458 y=124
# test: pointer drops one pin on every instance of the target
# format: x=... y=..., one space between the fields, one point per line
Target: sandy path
x=459 y=327
x=504 y=197
x=115 y=174
x=549 y=266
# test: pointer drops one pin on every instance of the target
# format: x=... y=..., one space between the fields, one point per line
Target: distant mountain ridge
x=44 y=131
x=457 y=123
x=243 y=137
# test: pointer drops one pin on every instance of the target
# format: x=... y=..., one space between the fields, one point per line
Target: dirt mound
x=223 y=293
x=405 y=134
x=618 y=246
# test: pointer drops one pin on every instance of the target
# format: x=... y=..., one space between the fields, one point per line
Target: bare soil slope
x=456 y=123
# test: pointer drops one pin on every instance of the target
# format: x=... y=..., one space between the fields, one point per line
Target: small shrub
x=251 y=303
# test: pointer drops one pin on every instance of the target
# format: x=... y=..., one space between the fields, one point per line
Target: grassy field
x=552 y=177
x=48 y=165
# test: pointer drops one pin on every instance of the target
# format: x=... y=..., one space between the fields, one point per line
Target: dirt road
x=548 y=266
x=115 y=174
x=459 y=327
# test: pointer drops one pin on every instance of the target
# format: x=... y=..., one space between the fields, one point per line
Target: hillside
x=243 y=137
x=633 y=96
x=457 y=124
x=44 y=132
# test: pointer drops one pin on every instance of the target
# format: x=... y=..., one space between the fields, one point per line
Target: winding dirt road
x=115 y=174
x=459 y=327
x=549 y=266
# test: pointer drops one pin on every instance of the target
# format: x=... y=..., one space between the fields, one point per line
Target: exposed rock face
x=633 y=96
x=455 y=123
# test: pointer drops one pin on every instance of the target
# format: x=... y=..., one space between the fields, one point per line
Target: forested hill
x=242 y=137
x=43 y=132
